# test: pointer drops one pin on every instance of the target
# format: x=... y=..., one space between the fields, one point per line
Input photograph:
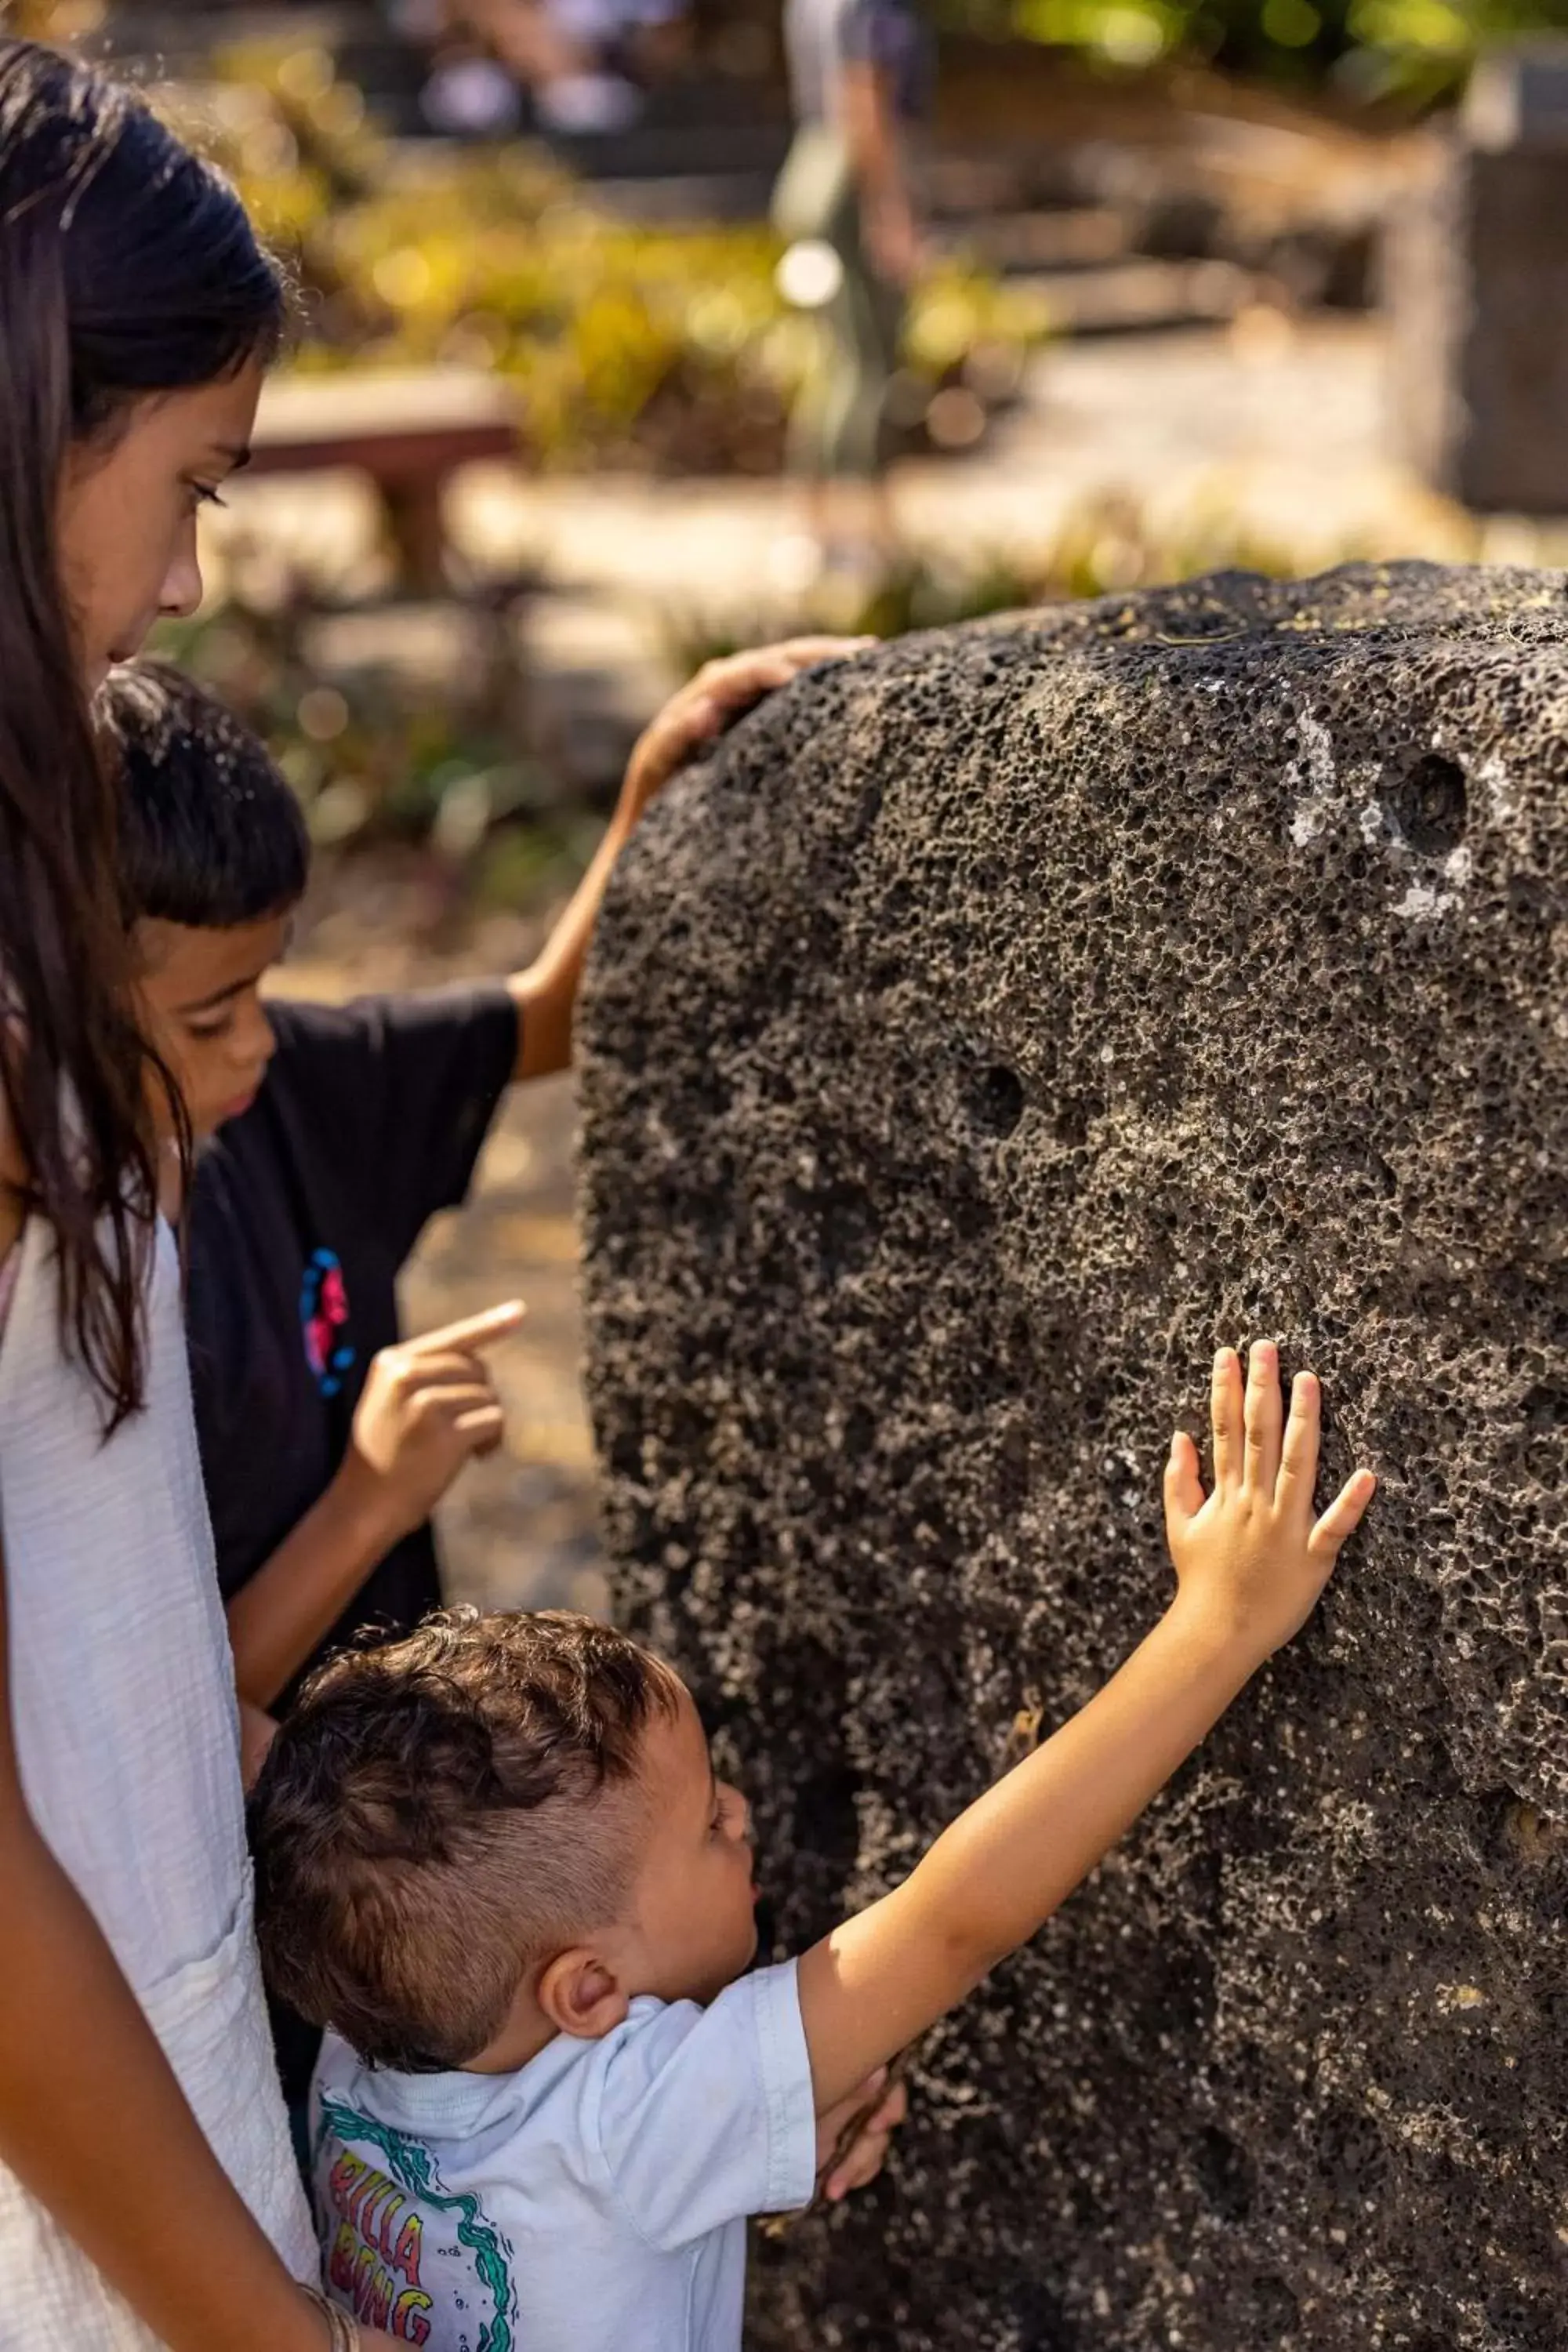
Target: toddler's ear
x=581 y=1995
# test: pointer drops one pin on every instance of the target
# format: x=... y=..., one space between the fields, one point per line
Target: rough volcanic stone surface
x=995 y=1024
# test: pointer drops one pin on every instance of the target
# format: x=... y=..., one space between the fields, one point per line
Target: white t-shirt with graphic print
x=594 y=2201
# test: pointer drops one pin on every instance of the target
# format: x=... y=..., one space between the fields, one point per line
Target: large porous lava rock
x=995 y=1024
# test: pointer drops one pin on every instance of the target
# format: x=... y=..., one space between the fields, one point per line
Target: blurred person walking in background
x=860 y=72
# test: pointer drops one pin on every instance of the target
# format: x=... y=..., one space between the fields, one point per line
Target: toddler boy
x=495 y=1858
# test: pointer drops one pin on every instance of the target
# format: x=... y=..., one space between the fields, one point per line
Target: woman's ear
x=581 y=1995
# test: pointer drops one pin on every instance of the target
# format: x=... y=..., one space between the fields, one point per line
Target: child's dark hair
x=210 y=834
x=440 y=1812
x=127 y=267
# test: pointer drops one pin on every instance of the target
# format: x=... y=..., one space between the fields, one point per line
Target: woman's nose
x=180 y=593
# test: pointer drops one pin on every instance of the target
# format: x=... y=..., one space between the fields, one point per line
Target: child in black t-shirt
x=327 y=1139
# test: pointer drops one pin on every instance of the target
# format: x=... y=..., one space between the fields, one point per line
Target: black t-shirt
x=302 y=1214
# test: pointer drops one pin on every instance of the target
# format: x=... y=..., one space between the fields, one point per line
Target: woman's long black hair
x=127 y=266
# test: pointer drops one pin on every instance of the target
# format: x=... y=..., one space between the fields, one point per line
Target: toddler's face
x=694 y=1899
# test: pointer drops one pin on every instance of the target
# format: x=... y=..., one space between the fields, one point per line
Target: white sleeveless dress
x=127 y=1731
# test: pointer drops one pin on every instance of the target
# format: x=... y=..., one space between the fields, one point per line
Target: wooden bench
x=409 y=432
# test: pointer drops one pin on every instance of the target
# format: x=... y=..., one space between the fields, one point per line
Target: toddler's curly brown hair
x=439 y=1812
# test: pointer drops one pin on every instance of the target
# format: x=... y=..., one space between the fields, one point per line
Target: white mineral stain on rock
x=1315 y=770
x=1491 y=773
x=1424 y=902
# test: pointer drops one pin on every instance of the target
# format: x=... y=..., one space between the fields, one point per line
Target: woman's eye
x=205 y=1031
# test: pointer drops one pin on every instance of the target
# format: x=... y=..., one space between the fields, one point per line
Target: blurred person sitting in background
x=581 y=62
x=859 y=76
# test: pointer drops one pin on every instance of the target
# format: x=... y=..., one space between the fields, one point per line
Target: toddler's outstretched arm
x=1250 y=1564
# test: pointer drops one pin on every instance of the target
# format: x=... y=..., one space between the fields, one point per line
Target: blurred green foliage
x=1413 y=51
x=630 y=343
x=370 y=748
x=1100 y=546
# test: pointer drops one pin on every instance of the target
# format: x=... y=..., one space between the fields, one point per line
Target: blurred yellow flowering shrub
x=630 y=343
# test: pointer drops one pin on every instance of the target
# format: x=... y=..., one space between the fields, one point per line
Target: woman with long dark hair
x=147 y=2193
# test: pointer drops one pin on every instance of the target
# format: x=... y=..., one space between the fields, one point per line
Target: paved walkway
x=1282 y=427
x=1275 y=429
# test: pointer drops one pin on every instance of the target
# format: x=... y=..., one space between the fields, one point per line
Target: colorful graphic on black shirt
x=323 y=1318
x=399 y=2252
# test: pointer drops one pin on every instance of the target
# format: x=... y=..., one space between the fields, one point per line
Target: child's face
x=198 y=996
x=128 y=507
x=694 y=1902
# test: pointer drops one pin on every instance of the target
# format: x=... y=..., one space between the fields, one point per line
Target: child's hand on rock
x=717 y=696
x=1251 y=1558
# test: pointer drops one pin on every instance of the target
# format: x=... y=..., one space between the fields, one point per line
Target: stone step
x=730 y=197
x=1138 y=297
x=1085 y=236
x=748 y=149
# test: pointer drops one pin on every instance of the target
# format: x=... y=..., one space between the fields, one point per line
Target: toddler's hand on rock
x=870 y=2116
x=1251 y=1557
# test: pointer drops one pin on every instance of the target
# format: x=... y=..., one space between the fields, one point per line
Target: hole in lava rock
x=996 y=1099
x=1275 y=2304
x=1546 y=1408
x=1225 y=2171
x=1428 y=804
x=1040 y=2320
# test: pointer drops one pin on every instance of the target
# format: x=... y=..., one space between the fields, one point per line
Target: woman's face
x=128 y=512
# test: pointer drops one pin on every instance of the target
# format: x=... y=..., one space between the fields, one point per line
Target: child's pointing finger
x=473 y=1331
